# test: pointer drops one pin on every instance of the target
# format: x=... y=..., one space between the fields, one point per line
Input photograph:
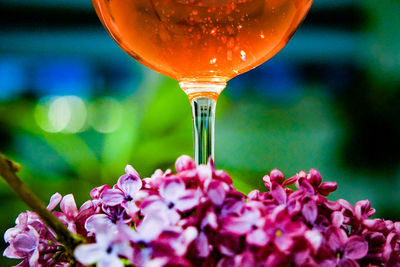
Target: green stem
x=8 y=170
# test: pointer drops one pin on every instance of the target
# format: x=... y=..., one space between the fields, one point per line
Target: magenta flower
x=173 y=198
x=196 y=217
x=68 y=207
x=346 y=250
x=24 y=242
x=111 y=244
x=282 y=230
x=125 y=192
x=250 y=223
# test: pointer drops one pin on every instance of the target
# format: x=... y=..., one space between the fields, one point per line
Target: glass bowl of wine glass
x=202 y=44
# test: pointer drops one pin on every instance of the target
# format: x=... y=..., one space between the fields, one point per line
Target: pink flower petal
x=328 y=263
x=242 y=224
x=172 y=189
x=111 y=260
x=11 y=233
x=278 y=193
x=301 y=256
x=130 y=208
x=184 y=163
x=12 y=253
x=334 y=206
x=202 y=246
x=204 y=173
x=246 y=259
x=223 y=176
x=129 y=184
x=236 y=225
x=187 y=202
x=68 y=206
x=228 y=245
x=257 y=238
x=314 y=177
x=276 y=259
x=216 y=192
x=99 y=223
x=314 y=237
x=283 y=243
x=26 y=243
x=89 y=254
x=54 y=201
x=294 y=206
x=254 y=195
x=326 y=188
x=112 y=197
x=185 y=239
x=210 y=220
x=290 y=181
x=131 y=171
x=337 y=219
x=348 y=263
x=374 y=224
x=310 y=210
x=356 y=248
x=397 y=227
x=276 y=176
x=96 y=192
x=267 y=181
x=150 y=228
x=33 y=259
x=304 y=185
x=361 y=209
x=391 y=240
x=346 y=205
x=336 y=238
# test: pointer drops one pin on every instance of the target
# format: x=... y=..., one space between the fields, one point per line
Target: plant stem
x=8 y=170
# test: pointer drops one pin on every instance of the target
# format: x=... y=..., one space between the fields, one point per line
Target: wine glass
x=202 y=44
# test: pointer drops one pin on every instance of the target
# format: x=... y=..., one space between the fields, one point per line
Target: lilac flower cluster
x=196 y=218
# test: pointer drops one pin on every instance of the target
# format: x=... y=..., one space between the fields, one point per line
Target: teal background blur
x=74 y=109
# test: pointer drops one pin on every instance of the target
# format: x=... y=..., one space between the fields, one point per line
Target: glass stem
x=203 y=96
x=203 y=110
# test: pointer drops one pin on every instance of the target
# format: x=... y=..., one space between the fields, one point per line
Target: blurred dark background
x=75 y=109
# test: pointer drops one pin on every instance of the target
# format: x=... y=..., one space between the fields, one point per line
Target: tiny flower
x=125 y=192
x=111 y=244
x=249 y=223
x=346 y=250
x=24 y=243
x=282 y=231
x=173 y=198
x=69 y=212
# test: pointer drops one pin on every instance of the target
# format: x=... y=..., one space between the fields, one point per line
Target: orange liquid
x=201 y=40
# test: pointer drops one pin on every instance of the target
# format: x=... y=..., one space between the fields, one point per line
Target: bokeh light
x=67 y=114
x=105 y=115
